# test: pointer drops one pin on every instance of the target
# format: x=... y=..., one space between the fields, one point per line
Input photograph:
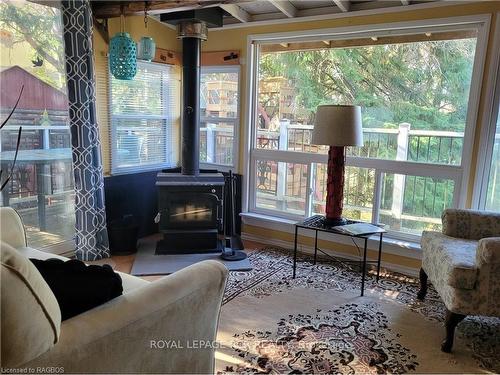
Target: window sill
x=390 y=245
x=219 y=167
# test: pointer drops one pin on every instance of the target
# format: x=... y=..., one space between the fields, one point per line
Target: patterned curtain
x=91 y=233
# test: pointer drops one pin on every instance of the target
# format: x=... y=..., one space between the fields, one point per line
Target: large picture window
x=219 y=116
x=142 y=119
x=414 y=89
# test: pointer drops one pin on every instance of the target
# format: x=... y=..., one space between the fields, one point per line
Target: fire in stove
x=191 y=213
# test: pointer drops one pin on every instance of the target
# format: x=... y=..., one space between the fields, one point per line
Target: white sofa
x=121 y=336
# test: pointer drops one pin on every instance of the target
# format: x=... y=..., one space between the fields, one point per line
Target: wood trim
x=220 y=58
x=360 y=42
x=102 y=28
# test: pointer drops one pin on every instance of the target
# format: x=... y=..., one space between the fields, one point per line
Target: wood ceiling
x=246 y=12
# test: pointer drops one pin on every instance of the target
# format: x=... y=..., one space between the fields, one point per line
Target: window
x=493 y=189
x=219 y=116
x=489 y=189
x=414 y=89
x=42 y=185
x=142 y=119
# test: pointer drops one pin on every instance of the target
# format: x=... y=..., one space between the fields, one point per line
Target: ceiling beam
x=110 y=9
x=285 y=7
x=344 y=5
x=237 y=12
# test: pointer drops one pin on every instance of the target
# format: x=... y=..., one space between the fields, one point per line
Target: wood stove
x=190 y=200
x=191 y=212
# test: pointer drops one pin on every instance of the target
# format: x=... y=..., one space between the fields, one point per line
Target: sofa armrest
x=470 y=224
x=488 y=251
x=12 y=228
x=168 y=326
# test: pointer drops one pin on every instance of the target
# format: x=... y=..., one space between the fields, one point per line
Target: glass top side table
x=317 y=224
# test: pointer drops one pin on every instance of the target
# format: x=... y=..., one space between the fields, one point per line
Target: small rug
x=148 y=263
x=318 y=323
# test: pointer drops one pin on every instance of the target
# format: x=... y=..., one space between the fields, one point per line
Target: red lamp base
x=335 y=186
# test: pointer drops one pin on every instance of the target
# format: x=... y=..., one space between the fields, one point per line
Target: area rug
x=146 y=262
x=318 y=323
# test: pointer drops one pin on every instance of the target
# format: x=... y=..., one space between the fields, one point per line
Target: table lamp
x=337 y=126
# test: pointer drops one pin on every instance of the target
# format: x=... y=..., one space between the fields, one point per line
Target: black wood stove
x=191 y=211
x=190 y=201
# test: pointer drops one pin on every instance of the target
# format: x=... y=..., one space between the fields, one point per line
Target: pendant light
x=122 y=54
x=147 y=47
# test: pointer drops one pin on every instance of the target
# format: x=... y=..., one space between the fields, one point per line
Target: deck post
x=399 y=180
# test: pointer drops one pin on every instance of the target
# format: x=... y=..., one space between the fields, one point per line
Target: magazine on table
x=359 y=229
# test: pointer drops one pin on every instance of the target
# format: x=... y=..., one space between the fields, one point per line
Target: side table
x=316 y=223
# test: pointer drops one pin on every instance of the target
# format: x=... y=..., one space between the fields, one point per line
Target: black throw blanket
x=78 y=287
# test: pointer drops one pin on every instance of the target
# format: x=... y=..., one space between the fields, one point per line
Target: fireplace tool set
x=233 y=244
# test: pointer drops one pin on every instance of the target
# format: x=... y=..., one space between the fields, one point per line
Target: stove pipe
x=191 y=33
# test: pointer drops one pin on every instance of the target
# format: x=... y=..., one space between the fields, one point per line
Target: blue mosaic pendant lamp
x=122 y=54
x=147 y=47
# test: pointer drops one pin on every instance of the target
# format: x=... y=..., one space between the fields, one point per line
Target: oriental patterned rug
x=318 y=323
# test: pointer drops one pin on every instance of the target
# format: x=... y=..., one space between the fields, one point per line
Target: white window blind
x=142 y=119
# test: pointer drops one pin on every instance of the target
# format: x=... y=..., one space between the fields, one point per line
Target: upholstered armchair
x=463 y=265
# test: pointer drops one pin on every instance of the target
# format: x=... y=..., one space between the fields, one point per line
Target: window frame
x=234 y=120
x=116 y=170
x=488 y=126
x=459 y=174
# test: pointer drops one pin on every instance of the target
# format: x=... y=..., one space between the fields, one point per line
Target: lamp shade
x=338 y=125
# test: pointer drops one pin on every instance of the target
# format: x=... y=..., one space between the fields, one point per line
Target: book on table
x=359 y=229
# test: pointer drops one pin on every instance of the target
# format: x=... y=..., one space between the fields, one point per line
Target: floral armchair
x=463 y=264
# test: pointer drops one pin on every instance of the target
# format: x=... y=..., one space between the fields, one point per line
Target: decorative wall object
x=122 y=54
x=220 y=58
x=164 y=56
x=91 y=233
